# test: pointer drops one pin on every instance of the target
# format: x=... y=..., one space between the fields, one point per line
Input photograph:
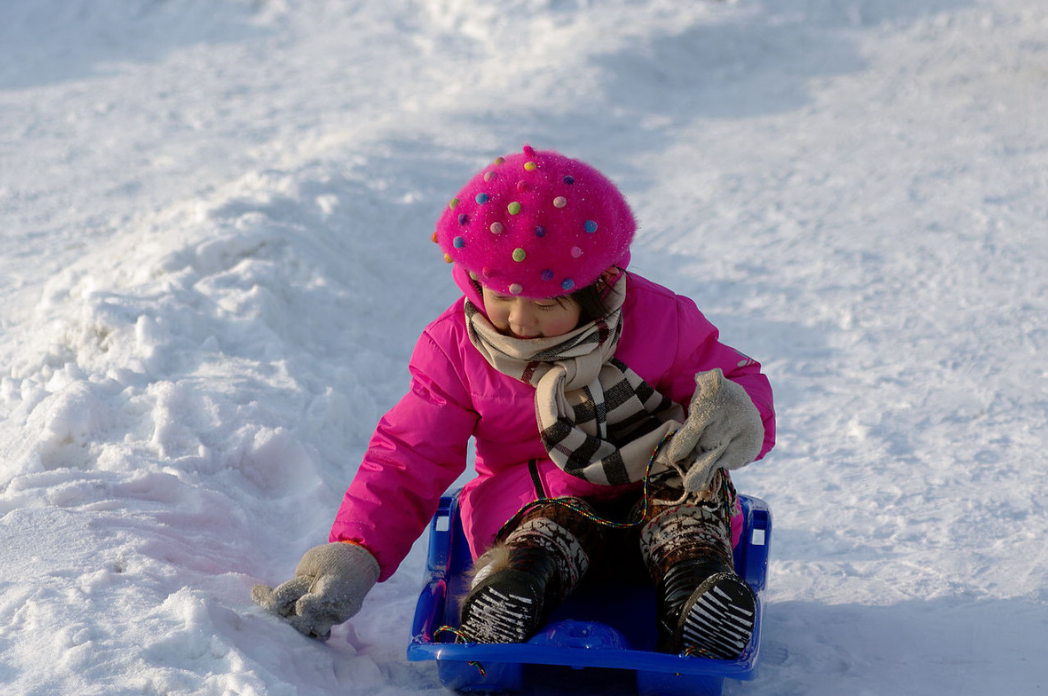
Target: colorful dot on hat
x=452 y=203
x=516 y=288
x=519 y=254
x=547 y=274
x=433 y=238
x=488 y=176
x=530 y=166
x=496 y=228
x=513 y=208
x=591 y=226
x=540 y=231
x=448 y=259
x=568 y=284
x=459 y=242
x=522 y=186
x=463 y=219
x=569 y=180
x=486 y=272
x=500 y=160
x=482 y=198
x=576 y=252
x=560 y=202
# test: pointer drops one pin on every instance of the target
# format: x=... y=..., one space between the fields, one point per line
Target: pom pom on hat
x=536 y=224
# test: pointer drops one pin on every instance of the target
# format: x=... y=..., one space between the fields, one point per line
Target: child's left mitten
x=723 y=431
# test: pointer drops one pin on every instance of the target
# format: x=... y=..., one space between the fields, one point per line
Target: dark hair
x=592 y=299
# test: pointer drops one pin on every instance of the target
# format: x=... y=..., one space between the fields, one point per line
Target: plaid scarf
x=599 y=420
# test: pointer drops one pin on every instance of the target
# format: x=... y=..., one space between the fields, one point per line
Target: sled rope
x=459 y=639
x=696 y=651
x=728 y=496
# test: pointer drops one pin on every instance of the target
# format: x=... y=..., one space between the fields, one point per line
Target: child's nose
x=522 y=315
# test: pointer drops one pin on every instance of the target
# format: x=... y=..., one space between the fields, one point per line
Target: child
x=569 y=373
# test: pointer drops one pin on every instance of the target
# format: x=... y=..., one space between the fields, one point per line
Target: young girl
x=570 y=374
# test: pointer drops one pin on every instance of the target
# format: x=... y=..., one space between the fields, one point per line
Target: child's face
x=523 y=317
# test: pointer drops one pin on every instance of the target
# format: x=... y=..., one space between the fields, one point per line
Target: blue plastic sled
x=596 y=641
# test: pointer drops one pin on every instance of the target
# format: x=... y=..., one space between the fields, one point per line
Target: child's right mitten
x=328 y=588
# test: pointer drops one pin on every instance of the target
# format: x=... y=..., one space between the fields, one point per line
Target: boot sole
x=506 y=608
x=718 y=618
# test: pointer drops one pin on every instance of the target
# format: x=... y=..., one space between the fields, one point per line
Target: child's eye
x=547 y=307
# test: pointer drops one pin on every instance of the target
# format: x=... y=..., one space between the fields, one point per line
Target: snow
x=214 y=262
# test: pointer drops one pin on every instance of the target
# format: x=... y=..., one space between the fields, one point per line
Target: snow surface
x=214 y=262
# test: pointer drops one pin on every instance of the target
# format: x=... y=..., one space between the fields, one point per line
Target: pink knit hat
x=536 y=224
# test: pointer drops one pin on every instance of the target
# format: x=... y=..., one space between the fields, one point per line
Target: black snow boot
x=518 y=583
x=703 y=607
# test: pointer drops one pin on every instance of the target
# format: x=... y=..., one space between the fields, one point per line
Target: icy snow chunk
x=173 y=420
x=327 y=203
x=276 y=462
x=66 y=423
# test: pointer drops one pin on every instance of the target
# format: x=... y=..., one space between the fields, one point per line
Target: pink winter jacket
x=419 y=447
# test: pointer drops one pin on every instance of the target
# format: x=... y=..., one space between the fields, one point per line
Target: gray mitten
x=723 y=431
x=328 y=588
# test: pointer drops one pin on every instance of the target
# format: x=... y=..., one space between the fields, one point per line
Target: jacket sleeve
x=699 y=349
x=417 y=450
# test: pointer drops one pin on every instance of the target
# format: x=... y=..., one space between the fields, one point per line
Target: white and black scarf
x=599 y=420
